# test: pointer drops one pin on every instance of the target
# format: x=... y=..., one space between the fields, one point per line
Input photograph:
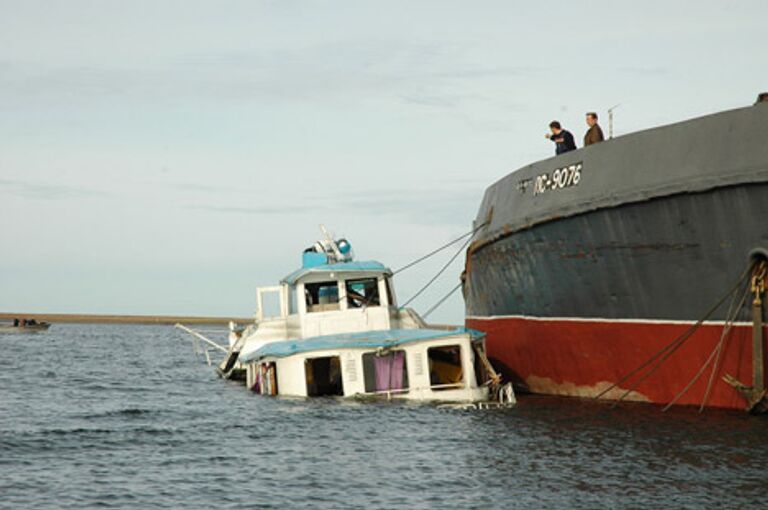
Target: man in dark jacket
x=562 y=137
x=594 y=133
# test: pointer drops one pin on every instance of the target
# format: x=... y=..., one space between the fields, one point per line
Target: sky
x=168 y=157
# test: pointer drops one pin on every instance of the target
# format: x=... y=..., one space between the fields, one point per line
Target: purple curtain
x=396 y=375
x=389 y=371
x=382 y=365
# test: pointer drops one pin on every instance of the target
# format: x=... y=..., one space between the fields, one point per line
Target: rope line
x=721 y=350
x=442 y=270
x=438 y=250
x=730 y=318
x=442 y=300
x=670 y=348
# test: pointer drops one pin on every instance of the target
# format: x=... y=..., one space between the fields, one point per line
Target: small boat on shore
x=336 y=330
x=24 y=327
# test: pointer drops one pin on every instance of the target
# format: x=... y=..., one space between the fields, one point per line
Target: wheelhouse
x=345 y=297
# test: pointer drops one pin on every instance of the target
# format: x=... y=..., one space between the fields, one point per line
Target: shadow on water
x=127 y=417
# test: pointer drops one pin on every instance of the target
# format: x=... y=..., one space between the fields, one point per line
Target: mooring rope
x=442 y=270
x=721 y=350
x=442 y=300
x=443 y=247
x=730 y=319
x=670 y=348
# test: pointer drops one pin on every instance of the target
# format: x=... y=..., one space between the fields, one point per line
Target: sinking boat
x=335 y=329
x=413 y=364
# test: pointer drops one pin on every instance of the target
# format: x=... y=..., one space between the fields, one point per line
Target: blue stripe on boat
x=366 y=339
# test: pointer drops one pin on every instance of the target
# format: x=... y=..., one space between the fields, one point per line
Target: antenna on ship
x=330 y=245
x=610 y=120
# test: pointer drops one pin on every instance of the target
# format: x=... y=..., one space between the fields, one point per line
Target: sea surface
x=96 y=416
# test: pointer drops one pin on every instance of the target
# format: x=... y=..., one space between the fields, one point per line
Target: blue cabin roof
x=370 y=265
x=366 y=339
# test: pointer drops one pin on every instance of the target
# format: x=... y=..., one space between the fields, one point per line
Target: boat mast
x=610 y=120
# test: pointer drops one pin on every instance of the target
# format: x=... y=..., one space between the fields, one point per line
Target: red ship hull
x=583 y=357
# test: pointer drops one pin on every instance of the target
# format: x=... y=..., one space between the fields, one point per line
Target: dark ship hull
x=591 y=263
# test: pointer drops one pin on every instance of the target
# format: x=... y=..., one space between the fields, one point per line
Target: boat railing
x=197 y=347
x=449 y=386
x=389 y=393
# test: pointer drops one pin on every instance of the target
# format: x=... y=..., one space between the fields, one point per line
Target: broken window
x=323 y=376
x=363 y=292
x=265 y=381
x=445 y=370
x=322 y=296
x=385 y=371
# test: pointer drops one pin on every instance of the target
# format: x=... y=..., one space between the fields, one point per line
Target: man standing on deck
x=562 y=137
x=594 y=133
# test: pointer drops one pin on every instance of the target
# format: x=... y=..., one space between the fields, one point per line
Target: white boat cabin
x=326 y=299
x=415 y=364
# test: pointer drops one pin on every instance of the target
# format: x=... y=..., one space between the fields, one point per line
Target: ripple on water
x=118 y=417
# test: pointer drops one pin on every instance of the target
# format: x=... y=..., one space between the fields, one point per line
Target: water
x=125 y=417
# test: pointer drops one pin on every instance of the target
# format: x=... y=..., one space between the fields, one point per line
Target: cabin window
x=293 y=302
x=265 y=381
x=269 y=302
x=385 y=371
x=363 y=292
x=323 y=376
x=445 y=369
x=322 y=297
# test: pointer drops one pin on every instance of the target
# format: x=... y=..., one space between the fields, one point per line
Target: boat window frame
x=310 y=360
x=340 y=296
x=355 y=279
x=406 y=373
x=265 y=387
x=282 y=301
x=447 y=386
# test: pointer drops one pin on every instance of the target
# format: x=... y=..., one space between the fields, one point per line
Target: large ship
x=633 y=268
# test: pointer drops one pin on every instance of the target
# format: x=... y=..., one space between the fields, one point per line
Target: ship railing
x=449 y=386
x=389 y=393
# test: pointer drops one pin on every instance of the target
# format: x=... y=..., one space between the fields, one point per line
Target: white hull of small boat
x=23 y=329
x=416 y=364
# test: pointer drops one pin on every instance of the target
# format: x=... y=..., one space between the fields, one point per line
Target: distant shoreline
x=120 y=319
